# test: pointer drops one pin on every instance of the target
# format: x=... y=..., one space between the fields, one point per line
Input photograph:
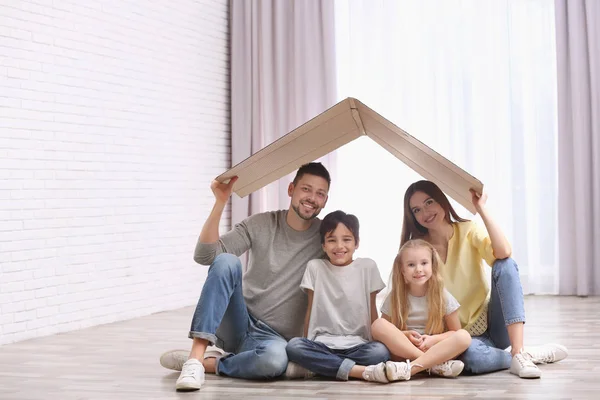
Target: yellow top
x=463 y=272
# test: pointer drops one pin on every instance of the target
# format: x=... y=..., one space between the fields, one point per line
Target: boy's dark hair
x=313 y=168
x=331 y=221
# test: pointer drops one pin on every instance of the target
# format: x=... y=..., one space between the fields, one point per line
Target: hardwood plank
x=120 y=361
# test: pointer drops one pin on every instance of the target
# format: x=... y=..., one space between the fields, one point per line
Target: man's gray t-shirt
x=417 y=312
x=277 y=259
x=340 y=316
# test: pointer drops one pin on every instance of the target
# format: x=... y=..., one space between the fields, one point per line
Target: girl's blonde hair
x=436 y=303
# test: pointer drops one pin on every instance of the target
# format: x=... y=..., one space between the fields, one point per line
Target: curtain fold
x=578 y=57
x=282 y=74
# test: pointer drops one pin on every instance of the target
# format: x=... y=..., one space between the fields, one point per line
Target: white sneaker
x=174 y=359
x=375 y=373
x=522 y=366
x=448 y=369
x=192 y=375
x=547 y=353
x=215 y=352
x=295 y=371
x=397 y=371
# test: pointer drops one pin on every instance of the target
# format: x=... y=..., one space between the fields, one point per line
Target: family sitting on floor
x=305 y=306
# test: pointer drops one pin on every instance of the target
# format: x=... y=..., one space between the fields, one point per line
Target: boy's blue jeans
x=486 y=352
x=334 y=363
x=222 y=318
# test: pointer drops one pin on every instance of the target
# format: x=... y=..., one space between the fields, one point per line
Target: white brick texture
x=114 y=118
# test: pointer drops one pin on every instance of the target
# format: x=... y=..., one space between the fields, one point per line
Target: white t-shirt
x=417 y=312
x=340 y=316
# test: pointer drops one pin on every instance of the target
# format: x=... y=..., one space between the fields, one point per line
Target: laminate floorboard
x=120 y=361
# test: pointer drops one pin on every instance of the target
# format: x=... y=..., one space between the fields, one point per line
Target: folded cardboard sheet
x=337 y=126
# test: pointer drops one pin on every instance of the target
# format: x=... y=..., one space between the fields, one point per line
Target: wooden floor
x=120 y=361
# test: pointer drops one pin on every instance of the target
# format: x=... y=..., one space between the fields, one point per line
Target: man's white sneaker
x=448 y=369
x=295 y=371
x=522 y=366
x=192 y=375
x=215 y=352
x=397 y=371
x=375 y=373
x=547 y=353
x=174 y=359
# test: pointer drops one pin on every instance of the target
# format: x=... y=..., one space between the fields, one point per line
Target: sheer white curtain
x=476 y=81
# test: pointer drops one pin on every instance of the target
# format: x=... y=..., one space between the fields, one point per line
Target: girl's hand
x=414 y=337
x=428 y=342
x=478 y=200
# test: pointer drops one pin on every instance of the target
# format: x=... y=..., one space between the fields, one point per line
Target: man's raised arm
x=208 y=245
x=222 y=192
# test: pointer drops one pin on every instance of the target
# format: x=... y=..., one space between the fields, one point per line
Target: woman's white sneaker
x=192 y=375
x=523 y=366
x=547 y=353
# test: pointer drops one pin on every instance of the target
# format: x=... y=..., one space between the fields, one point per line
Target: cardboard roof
x=337 y=126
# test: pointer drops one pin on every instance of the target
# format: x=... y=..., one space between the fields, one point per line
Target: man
x=253 y=314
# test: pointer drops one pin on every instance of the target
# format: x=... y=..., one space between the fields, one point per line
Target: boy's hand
x=427 y=343
x=414 y=337
x=222 y=191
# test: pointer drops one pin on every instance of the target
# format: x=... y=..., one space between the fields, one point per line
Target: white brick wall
x=114 y=117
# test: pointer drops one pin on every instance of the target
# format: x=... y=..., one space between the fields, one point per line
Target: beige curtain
x=578 y=53
x=282 y=75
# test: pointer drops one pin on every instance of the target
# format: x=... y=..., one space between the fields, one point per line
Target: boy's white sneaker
x=448 y=369
x=397 y=371
x=375 y=373
x=547 y=353
x=192 y=375
x=523 y=366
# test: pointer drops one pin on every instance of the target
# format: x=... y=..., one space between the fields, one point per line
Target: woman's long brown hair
x=411 y=229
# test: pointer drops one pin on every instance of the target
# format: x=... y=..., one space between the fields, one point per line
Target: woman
x=494 y=317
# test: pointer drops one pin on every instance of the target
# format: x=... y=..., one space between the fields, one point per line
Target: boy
x=341 y=307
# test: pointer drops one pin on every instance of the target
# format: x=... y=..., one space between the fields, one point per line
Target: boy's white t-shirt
x=417 y=311
x=340 y=316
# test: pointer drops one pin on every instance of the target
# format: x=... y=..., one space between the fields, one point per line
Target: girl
x=420 y=318
x=462 y=246
x=341 y=308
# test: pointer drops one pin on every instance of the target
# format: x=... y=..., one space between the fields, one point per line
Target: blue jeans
x=222 y=318
x=486 y=352
x=334 y=363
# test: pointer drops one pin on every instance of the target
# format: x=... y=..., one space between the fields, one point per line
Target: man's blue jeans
x=334 y=363
x=222 y=318
x=486 y=352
